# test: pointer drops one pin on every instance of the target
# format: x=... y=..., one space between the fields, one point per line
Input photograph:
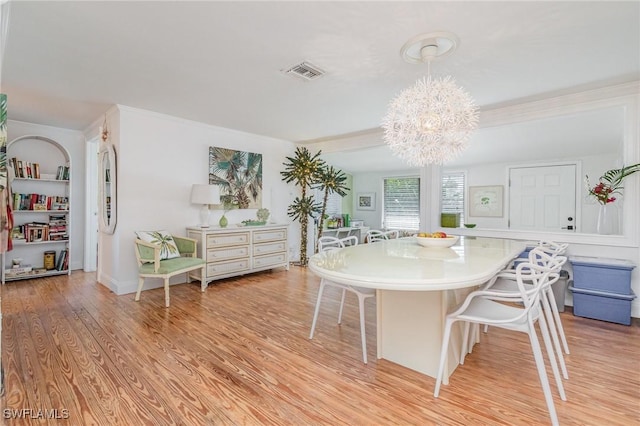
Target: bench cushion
x=172 y=265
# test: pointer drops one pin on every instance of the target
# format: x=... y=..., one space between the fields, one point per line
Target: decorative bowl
x=469 y=225
x=437 y=242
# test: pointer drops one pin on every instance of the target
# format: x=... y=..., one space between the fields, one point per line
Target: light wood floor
x=239 y=354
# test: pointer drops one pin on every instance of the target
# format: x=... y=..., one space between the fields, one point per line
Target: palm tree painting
x=239 y=176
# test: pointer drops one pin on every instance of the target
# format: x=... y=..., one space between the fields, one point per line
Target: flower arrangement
x=610 y=183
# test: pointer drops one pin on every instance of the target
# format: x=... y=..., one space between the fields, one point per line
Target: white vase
x=608 y=219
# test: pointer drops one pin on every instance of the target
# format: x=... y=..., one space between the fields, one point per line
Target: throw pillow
x=168 y=247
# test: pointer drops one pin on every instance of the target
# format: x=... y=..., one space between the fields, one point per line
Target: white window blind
x=401 y=203
x=453 y=193
x=334 y=202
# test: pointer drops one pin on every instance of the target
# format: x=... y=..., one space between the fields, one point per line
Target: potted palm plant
x=303 y=170
x=330 y=181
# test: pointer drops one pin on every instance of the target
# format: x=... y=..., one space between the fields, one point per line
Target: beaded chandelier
x=431 y=122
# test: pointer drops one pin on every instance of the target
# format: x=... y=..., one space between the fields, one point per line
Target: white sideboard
x=236 y=251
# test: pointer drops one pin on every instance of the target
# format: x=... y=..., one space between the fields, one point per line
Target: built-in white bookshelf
x=38 y=171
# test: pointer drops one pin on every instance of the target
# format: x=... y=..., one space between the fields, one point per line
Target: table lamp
x=205 y=194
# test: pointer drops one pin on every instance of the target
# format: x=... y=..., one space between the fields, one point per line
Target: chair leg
x=166 y=292
x=475 y=336
x=465 y=342
x=344 y=293
x=315 y=315
x=140 y=284
x=544 y=330
x=203 y=281
x=553 y=331
x=559 y=327
x=363 y=335
x=443 y=356
x=542 y=374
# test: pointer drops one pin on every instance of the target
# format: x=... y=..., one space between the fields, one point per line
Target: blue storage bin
x=523 y=257
x=610 y=275
x=525 y=253
x=602 y=305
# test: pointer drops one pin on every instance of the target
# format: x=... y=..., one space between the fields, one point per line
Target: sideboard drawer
x=274 y=259
x=225 y=240
x=221 y=268
x=268 y=248
x=217 y=254
x=239 y=250
x=270 y=235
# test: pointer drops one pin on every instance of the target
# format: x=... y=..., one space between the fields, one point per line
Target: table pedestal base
x=410 y=327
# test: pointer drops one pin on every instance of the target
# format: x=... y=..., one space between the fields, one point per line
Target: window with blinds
x=334 y=202
x=401 y=203
x=452 y=198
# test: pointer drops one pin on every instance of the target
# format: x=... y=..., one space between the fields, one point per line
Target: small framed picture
x=366 y=201
x=485 y=201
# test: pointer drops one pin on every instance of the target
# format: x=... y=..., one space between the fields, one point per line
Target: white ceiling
x=66 y=63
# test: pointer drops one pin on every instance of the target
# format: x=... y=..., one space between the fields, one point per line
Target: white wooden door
x=543 y=198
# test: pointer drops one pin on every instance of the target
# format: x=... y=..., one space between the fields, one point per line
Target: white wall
x=498 y=174
x=159 y=158
x=73 y=142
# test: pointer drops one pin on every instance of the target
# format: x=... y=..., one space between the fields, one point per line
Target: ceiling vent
x=306 y=71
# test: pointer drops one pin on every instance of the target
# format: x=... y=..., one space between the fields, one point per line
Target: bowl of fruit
x=436 y=239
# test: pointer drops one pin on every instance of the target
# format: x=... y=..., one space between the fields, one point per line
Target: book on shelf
x=62 y=263
x=18 y=270
x=17 y=233
x=58 y=227
x=39 y=202
x=24 y=169
x=21 y=268
x=62 y=173
x=53 y=230
x=36 y=232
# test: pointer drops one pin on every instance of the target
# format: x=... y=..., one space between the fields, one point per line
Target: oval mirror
x=107 y=188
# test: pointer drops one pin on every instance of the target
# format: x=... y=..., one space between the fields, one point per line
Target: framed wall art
x=485 y=201
x=366 y=201
x=238 y=174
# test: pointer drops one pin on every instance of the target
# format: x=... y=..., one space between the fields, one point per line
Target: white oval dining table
x=416 y=286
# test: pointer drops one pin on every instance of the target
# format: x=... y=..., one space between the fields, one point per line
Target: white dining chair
x=505 y=281
x=333 y=243
x=343 y=233
x=375 y=235
x=489 y=307
x=555 y=249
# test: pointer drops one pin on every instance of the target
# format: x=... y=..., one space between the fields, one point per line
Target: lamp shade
x=205 y=194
